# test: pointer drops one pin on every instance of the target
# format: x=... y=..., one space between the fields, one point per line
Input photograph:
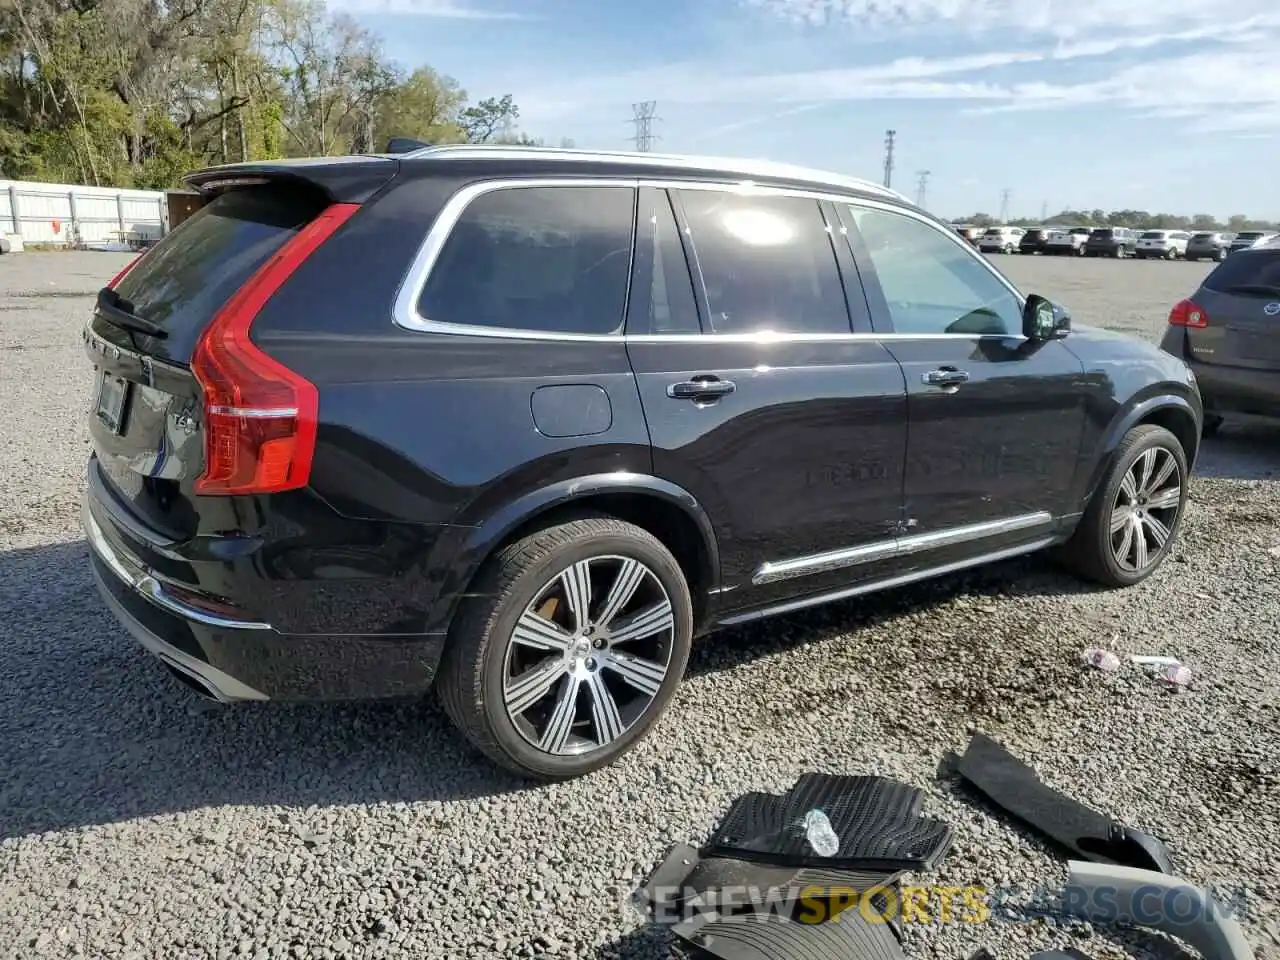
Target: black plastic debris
x=876 y=825
x=1014 y=787
x=773 y=937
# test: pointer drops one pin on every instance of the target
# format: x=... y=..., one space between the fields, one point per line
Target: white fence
x=99 y=217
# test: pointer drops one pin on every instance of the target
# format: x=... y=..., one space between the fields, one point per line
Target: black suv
x=520 y=423
x=1034 y=240
x=1118 y=242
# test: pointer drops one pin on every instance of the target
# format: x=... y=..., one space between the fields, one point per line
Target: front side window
x=767 y=263
x=544 y=259
x=932 y=284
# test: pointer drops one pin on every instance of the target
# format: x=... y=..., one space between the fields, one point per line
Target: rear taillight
x=1187 y=313
x=114 y=281
x=259 y=416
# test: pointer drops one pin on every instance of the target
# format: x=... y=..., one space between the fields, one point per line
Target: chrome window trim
x=406 y=315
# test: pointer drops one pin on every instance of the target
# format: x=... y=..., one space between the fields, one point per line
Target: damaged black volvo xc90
x=518 y=424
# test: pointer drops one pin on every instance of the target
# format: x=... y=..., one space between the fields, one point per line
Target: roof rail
x=737 y=166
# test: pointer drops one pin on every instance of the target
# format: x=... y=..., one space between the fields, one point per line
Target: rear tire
x=1220 y=256
x=1172 y=254
x=1133 y=518
x=544 y=671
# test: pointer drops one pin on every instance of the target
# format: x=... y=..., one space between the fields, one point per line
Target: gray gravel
x=135 y=822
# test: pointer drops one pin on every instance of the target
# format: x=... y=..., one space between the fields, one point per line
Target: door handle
x=946 y=377
x=701 y=388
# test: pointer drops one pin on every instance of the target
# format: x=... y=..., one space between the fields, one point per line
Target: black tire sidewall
x=493 y=662
x=1101 y=521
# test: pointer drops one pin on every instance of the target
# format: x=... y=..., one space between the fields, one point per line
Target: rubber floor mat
x=1015 y=788
x=766 y=937
x=876 y=823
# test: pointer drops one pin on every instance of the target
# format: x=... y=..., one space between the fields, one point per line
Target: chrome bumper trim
x=149 y=587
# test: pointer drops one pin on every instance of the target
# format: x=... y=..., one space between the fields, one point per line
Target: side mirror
x=1044 y=320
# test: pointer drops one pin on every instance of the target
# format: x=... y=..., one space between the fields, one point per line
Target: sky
x=1162 y=105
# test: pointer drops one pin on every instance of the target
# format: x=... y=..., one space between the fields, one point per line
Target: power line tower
x=1044 y=210
x=922 y=187
x=889 y=136
x=1004 y=204
x=642 y=115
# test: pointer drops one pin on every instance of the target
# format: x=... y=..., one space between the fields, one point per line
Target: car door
x=996 y=421
x=787 y=428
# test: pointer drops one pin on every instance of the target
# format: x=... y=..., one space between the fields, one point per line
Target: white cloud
x=438 y=9
x=1230 y=84
x=1063 y=19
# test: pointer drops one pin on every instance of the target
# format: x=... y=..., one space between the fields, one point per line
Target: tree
x=137 y=92
x=489 y=119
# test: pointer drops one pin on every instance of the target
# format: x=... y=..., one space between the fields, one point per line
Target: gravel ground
x=135 y=822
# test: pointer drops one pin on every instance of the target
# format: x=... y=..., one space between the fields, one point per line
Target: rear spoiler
x=341 y=179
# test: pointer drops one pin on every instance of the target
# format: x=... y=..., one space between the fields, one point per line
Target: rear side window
x=767 y=263
x=191 y=273
x=1250 y=272
x=543 y=259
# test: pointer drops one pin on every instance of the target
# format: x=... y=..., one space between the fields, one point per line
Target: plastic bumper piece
x=747 y=937
x=1158 y=901
x=876 y=821
x=1015 y=788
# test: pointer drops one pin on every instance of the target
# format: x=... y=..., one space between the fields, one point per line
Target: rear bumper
x=233 y=660
x=1238 y=389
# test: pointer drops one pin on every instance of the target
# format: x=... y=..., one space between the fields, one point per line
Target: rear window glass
x=1203 y=236
x=545 y=259
x=1103 y=234
x=1248 y=236
x=1153 y=235
x=1255 y=268
x=183 y=281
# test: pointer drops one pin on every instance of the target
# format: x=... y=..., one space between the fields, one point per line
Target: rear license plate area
x=113 y=399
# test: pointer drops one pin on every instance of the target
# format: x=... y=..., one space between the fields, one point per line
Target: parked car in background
x=1162 y=244
x=1118 y=242
x=1208 y=246
x=1249 y=238
x=1034 y=240
x=1065 y=241
x=1000 y=239
x=1228 y=331
x=969 y=232
x=622 y=452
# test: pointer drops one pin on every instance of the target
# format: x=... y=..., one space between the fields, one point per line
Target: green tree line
x=135 y=93
x=1134 y=219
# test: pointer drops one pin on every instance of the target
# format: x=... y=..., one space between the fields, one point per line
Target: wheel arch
x=664 y=509
x=1174 y=413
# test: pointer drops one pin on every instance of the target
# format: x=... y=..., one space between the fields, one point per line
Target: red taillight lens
x=259 y=416
x=111 y=284
x=1187 y=313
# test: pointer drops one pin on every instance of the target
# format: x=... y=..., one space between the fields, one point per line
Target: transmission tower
x=1004 y=204
x=1044 y=210
x=889 y=136
x=922 y=187
x=642 y=115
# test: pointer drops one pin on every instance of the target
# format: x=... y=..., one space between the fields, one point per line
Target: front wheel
x=568 y=648
x=1220 y=256
x=1134 y=516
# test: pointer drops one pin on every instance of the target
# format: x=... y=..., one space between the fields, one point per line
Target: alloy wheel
x=589 y=655
x=1146 y=509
